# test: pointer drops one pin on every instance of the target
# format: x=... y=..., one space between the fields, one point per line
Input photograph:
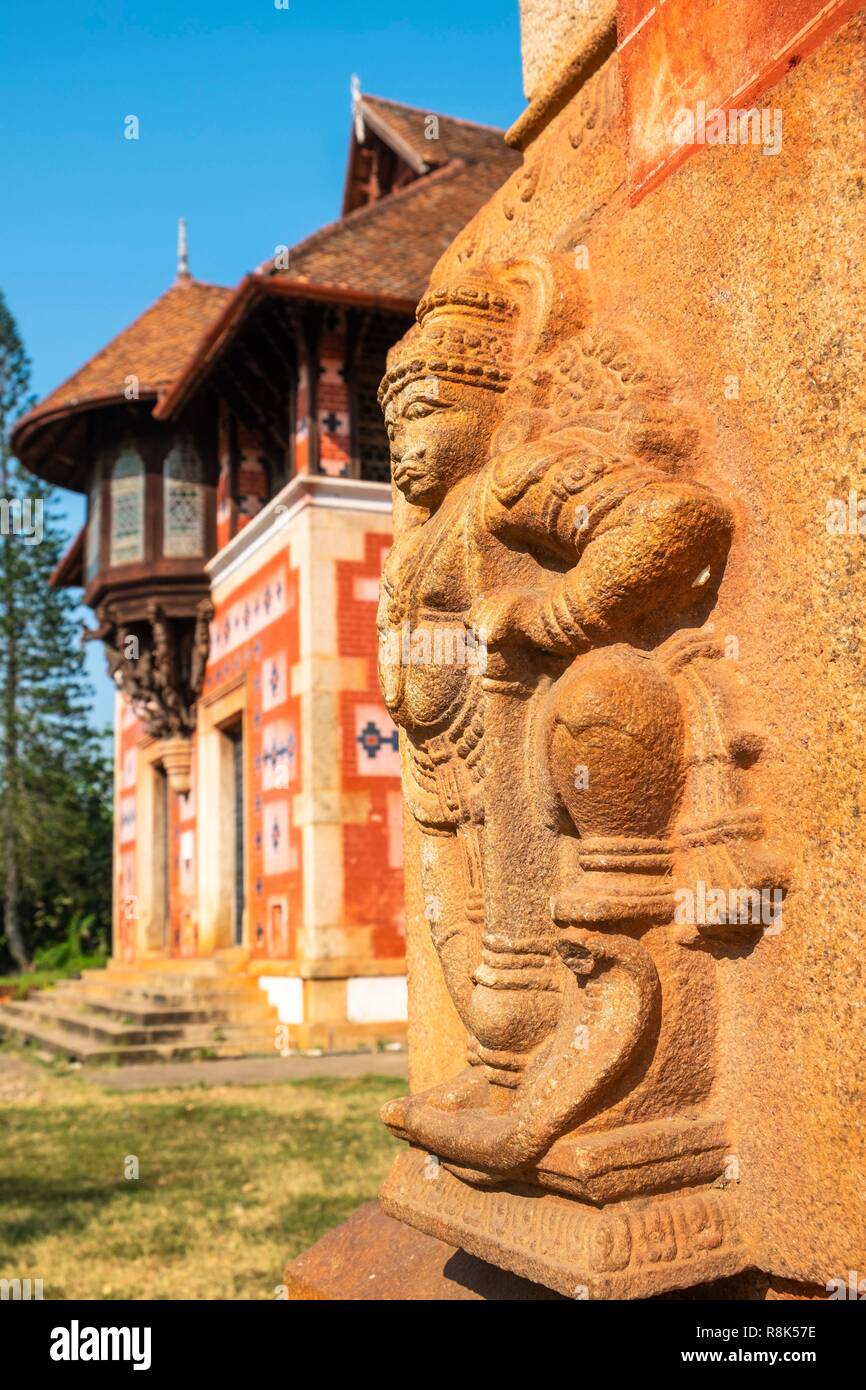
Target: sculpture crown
x=469 y=299
x=464 y=334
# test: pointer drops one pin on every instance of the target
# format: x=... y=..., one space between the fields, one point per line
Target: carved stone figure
x=570 y=760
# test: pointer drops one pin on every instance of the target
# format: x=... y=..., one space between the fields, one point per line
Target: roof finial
x=357 y=112
x=182 y=253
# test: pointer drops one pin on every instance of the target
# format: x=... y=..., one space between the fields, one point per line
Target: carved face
x=440 y=432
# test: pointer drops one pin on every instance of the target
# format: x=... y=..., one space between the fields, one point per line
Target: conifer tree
x=55 y=818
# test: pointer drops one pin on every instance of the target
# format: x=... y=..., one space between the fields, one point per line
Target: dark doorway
x=162 y=857
x=235 y=736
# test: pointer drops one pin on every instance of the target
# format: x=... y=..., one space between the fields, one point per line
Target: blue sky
x=244 y=128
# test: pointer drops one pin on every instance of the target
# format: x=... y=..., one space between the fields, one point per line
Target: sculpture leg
x=616 y=1005
x=612 y=740
x=454 y=908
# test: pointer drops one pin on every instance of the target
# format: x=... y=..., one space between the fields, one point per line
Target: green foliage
x=14 y=366
x=22 y=986
x=55 y=775
x=82 y=940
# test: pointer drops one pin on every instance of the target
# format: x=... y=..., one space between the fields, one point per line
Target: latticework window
x=127 y=508
x=183 y=503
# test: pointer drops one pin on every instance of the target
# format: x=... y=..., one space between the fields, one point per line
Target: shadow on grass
x=270 y=1177
x=31 y=1209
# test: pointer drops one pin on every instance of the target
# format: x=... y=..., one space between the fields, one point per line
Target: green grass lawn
x=233 y=1181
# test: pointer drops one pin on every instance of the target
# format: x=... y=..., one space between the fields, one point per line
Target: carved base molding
x=636 y=1160
x=628 y=1249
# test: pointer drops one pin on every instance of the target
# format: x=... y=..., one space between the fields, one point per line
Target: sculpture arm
x=652 y=551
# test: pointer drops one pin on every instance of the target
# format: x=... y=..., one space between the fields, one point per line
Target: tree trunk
x=11 y=924
x=10 y=903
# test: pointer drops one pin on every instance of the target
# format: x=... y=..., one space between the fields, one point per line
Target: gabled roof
x=153 y=348
x=391 y=246
x=427 y=139
x=380 y=254
x=250 y=293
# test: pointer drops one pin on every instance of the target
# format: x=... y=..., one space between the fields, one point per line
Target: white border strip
x=344 y=494
x=637 y=28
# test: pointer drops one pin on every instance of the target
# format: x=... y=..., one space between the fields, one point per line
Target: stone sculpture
x=574 y=761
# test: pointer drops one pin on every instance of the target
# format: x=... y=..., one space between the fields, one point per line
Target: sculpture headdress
x=464 y=333
x=525 y=327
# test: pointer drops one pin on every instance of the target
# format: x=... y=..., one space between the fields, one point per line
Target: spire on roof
x=182 y=252
x=357 y=113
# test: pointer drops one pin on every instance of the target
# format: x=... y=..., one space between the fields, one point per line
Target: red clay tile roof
x=391 y=246
x=154 y=348
x=385 y=248
x=406 y=127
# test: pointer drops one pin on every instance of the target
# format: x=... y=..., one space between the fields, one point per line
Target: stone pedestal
x=372 y=1258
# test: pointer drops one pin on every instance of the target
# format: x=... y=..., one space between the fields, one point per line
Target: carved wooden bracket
x=158 y=663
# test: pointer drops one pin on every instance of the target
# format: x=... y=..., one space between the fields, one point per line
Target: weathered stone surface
x=373 y=1258
x=617 y=432
x=551 y=29
x=725 y=57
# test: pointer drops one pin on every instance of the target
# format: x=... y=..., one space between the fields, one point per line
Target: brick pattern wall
x=302 y=410
x=333 y=404
x=372 y=437
x=255 y=634
x=373 y=852
x=226 y=518
x=244 y=482
x=252 y=487
x=126 y=887
x=255 y=631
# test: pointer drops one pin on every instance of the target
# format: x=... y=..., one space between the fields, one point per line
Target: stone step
x=142 y=1013
x=149 y=1013
x=51 y=1016
x=90 y=1053
x=213 y=968
x=171 y=990
x=154 y=1013
x=96 y=1027
x=145 y=1011
x=202 y=969
x=93 y=1022
x=146 y=1008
